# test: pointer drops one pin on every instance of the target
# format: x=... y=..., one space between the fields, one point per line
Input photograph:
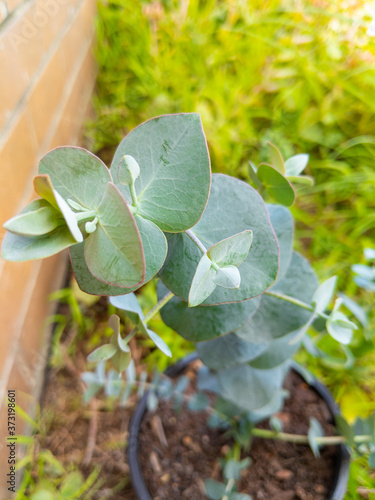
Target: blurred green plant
x=44 y=477
x=74 y=321
x=348 y=370
x=361 y=480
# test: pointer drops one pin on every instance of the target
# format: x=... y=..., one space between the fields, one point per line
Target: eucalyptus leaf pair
x=278 y=176
x=218 y=266
x=117 y=350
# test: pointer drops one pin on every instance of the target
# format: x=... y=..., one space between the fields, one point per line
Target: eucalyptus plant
x=228 y=278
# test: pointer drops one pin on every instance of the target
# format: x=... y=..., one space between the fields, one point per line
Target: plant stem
x=158 y=306
x=84 y=216
x=294 y=301
x=302 y=439
x=150 y=314
x=228 y=489
x=133 y=194
x=196 y=240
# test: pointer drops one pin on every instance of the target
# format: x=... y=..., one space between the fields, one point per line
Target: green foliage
x=19 y=248
x=154 y=358
x=361 y=479
x=276 y=317
x=102 y=353
x=214 y=489
x=117 y=350
x=128 y=170
x=232 y=251
x=277 y=177
x=265 y=383
x=54 y=482
x=268 y=85
x=113 y=253
x=67 y=166
x=323 y=295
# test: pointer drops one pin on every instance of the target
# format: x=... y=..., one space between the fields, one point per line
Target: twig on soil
x=93 y=429
x=155 y=464
x=158 y=429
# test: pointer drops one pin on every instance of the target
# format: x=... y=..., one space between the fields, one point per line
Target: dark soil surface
x=175 y=468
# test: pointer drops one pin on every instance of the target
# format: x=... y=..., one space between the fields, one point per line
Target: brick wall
x=47 y=77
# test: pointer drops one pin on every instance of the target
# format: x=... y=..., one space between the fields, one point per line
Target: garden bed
x=86 y=436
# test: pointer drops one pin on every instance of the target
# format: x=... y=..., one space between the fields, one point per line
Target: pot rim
x=342 y=462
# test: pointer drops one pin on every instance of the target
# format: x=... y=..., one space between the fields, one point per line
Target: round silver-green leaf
x=155 y=250
x=276 y=184
x=20 y=248
x=233 y=207
x=174 y=180
x=283 y=225
x=276 y=353
x=276 y=317
x=203 y=323
x=228 y=350
x=36 y=219
x=250 y=388
x=76 y=174
x=114 y=252
x=102 y=353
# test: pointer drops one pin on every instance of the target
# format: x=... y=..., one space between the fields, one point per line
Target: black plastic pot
x=342 y=461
